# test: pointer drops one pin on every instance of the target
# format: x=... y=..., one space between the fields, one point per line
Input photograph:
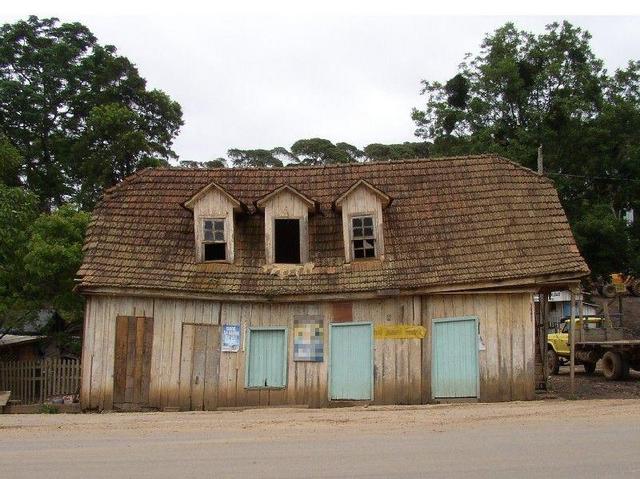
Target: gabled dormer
x=213 y=222
x=362 y=229
x=286 y=225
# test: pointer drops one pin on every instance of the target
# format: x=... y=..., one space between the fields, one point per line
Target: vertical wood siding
x=507 y=331
x=401 y=366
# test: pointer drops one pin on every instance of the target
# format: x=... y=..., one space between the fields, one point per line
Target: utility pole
x=540 y=161
x=572 y=358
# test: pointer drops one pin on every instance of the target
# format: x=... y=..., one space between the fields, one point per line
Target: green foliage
x=217 y=163
x=401 y=151
x=54 y=255
x=48 y=409
x=79 y=115
x=257 y=158
x=604 y=240
x=319 y=151
x=10 y=162
x=39 y=256
x=18 y=211
x=524 y=90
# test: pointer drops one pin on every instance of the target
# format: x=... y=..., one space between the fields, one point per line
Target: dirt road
x=536 y=439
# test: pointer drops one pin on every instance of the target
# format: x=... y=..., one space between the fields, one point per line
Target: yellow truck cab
x=558 y=351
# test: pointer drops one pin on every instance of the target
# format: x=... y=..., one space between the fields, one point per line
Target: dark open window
x=214 y=240
x=363 y=237
x=287 y=241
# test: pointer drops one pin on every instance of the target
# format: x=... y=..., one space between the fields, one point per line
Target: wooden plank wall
x=507 y=364
x=397 y=362
x=401 y=366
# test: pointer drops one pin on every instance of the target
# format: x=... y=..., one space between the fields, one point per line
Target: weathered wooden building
x=391 y=283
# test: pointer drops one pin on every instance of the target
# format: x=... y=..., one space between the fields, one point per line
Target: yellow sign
x=400 y=331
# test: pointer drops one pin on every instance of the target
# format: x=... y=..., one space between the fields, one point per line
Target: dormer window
x=287 y=241
x=214 y=243
x=286 y=225
x=361 y=206
x=213 y=223
x=363 y=238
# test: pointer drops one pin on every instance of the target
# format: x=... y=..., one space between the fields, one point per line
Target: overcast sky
x=261 y=82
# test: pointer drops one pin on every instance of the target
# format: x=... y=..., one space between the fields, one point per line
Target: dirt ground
x=595 y=386
x=523 y=439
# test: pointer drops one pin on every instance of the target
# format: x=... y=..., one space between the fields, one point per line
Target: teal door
x=454 y=370
x=267 y=365
x=351 y=361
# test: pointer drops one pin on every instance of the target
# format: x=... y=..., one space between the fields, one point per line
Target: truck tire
x=625 y=368
x=634 y=287
x=553 y=361
x=589 y=368
x=612 y=366
x=609 y=291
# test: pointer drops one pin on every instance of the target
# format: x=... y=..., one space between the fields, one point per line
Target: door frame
x=247 y=360
x=373 y=359
x=476 y=321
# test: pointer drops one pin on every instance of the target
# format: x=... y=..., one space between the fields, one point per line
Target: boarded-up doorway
x=132 y=366
x=199 y=366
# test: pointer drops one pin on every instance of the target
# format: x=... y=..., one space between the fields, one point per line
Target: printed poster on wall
x=230 y=338
x=308 y=339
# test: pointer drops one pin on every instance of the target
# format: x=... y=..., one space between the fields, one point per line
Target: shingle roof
x=452 y=221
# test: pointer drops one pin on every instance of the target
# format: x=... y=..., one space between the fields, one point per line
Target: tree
x=524 y=90
x=54 y=254
x=399 y=151
x=10 y=162
x=604 y=240
x=66 y=102
x=216 y=163
x=39 y=256
x=259 y=158
x=18 y=210
x=319 y=151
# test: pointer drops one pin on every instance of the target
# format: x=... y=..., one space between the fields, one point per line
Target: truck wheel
x=612 y=366
x=589 y=368
x=609 y=291
x=625 y=368
x=553 y=362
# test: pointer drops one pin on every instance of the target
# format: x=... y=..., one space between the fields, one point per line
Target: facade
x=388 y=283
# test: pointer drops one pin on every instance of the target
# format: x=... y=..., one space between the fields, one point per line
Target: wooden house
x=389 y=283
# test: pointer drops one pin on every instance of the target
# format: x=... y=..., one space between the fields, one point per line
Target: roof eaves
x=311 y=203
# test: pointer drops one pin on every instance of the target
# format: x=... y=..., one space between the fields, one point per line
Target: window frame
x=224 y=241
x=285 y=377
x=373 y=237
x=275 y=238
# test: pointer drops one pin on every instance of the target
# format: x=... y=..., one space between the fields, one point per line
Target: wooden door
x=455 y=358
x=351 y=361
x=199 y=366
x=267 y=367
x=132 y=363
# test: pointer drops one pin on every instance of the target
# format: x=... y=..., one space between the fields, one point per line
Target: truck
x=596 y=339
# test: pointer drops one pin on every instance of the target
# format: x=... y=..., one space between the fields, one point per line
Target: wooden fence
x=35 y=381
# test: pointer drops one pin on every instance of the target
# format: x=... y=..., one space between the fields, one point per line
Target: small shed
x=403 y=282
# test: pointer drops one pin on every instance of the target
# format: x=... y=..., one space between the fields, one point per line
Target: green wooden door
x=454 y=370
x=351 y=368
x=267 y=365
